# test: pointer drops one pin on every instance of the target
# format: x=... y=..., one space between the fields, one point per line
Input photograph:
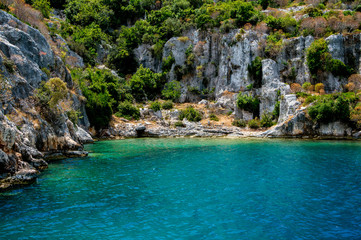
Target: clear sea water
x=193 y=189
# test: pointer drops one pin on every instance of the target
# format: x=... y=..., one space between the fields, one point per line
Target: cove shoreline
x=141 y=134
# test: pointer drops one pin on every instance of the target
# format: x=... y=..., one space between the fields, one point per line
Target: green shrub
x=73 y=116
x=276 y=110
x=155 y=106
x=266 y=120
x=302 y=94
x=331 y=108
x=179 y=124
x=84 y=12
x=167 y=105
x=319 y=87
x=319 y=59
x=190 y=114
x=207 y=91
x=313 y=12
x=255 y=70
x=167 y=63
x=317 y=56
x=103 y=92
x=43 y=6
x=311 y=98
x=248 y=103
x=46 y=71
x=128 y=111
x=145 y=84
x=194 y=90
x=306 y=85
x=213 y=117
x=287 y=23
x=52 y=92
x=239 y=123
x=338 y=68
x=172 y=90
x=348 y=13
x=241 y=12
x=122 y=59
x=321 y=6
x=274 y=44
x=85 y=41
x=254 y=123
x=157 y=49
x=227 y=26
x=190 y=57
x=98 y=109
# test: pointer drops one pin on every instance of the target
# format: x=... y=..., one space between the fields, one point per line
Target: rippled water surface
x=193 y=189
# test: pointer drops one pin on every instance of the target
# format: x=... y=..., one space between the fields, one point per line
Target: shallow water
x=193 y=189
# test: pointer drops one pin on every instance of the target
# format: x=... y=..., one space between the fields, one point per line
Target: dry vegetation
x=33 y=17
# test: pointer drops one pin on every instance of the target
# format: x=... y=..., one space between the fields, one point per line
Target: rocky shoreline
x=332 y=131
x=160 y=129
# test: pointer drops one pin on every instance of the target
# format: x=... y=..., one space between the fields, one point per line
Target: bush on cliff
x=155 y=106
x=128 y=111
x=248 y=103
x=167 y=105
x=190 y=114
x=239 y=123
x=145 y=84
x=320 y=60
x=338 y=68
x=172 y=91
x=317 y=56
x=43 y=6
x=254 y=123
x=267 y=120
x=329 y=108
x=103 y=92
x=52 y=92
x=255 y=70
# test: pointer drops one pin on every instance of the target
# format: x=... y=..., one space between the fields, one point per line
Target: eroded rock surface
x=27 y=135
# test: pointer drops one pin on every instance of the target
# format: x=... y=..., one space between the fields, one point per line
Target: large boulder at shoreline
x=83 y=136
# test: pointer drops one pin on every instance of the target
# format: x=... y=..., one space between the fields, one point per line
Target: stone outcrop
x=28 y=136
x=221 y=62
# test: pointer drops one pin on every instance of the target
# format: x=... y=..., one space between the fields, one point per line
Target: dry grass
x=25 y=13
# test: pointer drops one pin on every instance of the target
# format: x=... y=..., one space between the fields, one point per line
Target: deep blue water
x=193 y=189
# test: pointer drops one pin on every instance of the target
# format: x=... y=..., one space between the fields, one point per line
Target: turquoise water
x=193 y=189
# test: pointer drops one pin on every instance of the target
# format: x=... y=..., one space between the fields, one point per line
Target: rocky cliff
x=210 y=65
x=220 y=62
x=29 y=136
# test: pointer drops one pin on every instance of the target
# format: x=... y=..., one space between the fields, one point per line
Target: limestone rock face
x=298 y=125
x=288 y=107
x=336 y=129
x=26 y=134
x=221 y=62
x=271 y=86
x=5 y=164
